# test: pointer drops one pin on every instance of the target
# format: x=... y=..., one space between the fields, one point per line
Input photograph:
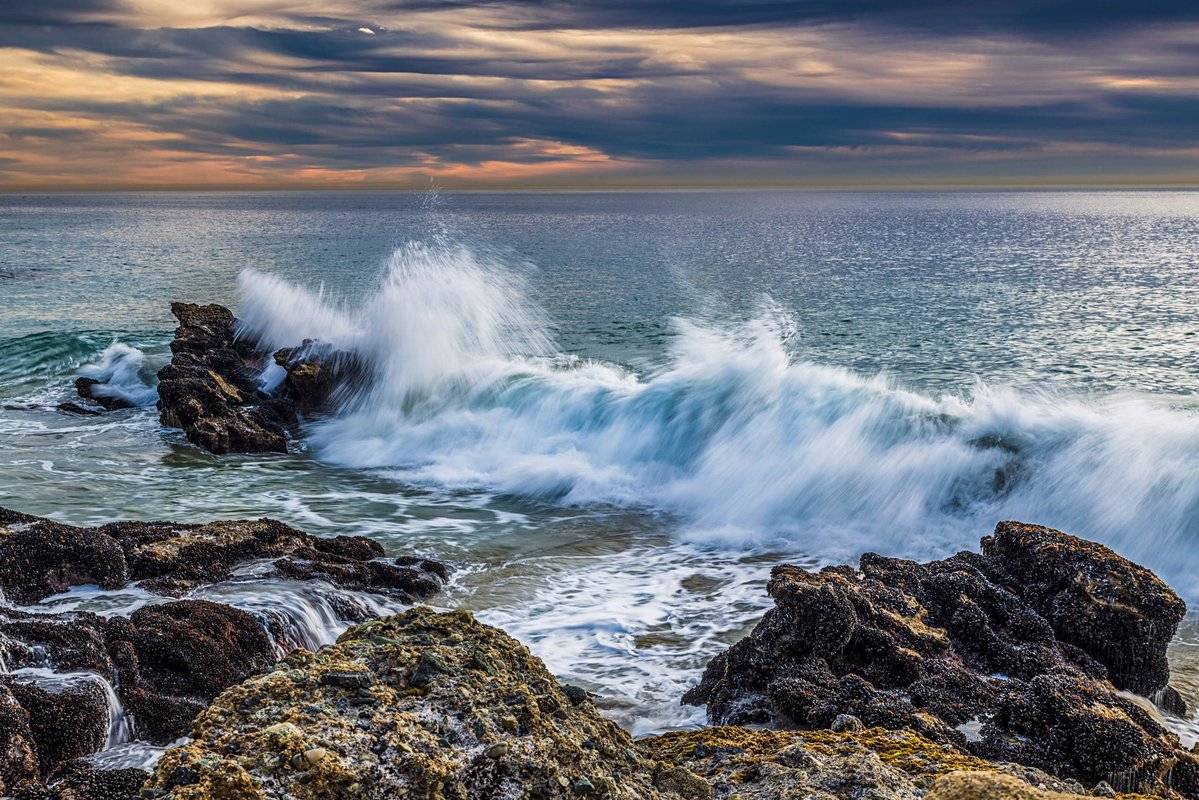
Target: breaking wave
x=745 y=442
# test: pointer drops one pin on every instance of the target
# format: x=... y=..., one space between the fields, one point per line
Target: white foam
x=123 y=374
x=735 y=434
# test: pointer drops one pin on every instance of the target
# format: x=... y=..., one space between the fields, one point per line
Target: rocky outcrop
x=211 y=387
x=960 y=651
x=421 y=705
x=41 y=557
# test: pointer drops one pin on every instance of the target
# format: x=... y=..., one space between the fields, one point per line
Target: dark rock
x=379 y=576
x=931 y=647
x=315 y=371
x=73 y=642
x=1119 y=613
x=19 y=764
x=175 y=657
x=81 y=780
x=39 y=558
x=210 y=388
x=74 y=408
x=86 y=387
x=66 y=722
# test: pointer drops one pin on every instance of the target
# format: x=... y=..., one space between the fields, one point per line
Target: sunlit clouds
x=226 y=93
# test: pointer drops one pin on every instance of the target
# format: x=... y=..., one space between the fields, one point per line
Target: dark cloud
x=323 y=93
x=1041 y=17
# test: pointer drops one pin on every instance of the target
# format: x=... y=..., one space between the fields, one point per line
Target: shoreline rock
x=167 y=660
x=958 y=651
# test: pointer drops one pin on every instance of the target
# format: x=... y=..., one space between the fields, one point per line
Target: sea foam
x=745 y=442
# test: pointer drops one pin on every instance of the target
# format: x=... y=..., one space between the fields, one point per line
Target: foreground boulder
x=421 y=705
x=965 y=651
x=211 y=387
x=431 y=706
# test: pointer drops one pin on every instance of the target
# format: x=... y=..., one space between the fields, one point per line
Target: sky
x=582 y=94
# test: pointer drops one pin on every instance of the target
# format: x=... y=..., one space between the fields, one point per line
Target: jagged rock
x=169 y=660
x=172 y=659
x=86 y=387
x=440 y=706
x=954 y=645
x=1119 y=613
x=74 y=408
x=210 y=388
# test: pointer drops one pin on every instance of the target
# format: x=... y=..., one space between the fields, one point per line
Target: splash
x=122 y=373
x=747 y=444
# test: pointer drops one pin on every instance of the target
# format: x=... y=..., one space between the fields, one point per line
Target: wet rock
x=315 y=371
x=64 y=723
x=210 y=388
x=19 y=764
x=954 y=645
x=72 y=642
x=40 y=557
x=74 y=408
x=466 y=733
x=410 y=583
x=172 y=659
x=87 y=387
x=80 y=780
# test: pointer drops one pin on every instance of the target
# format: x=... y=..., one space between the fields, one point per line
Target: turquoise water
x=613 y=412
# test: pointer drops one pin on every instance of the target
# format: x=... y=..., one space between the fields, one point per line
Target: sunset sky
x=596 y=93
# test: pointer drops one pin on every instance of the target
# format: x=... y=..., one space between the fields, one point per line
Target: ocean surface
x=614 y=412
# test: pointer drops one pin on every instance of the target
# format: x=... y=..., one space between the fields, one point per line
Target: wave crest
x=742 y=440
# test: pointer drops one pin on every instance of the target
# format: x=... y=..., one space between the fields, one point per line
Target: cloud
x=258 y=92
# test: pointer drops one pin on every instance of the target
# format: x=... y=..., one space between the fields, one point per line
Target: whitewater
x=743 y=441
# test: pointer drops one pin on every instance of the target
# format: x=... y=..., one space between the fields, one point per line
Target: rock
x=315 y=371
x=74 y=408
x=86 y=387
x=872 y=763
x=80 y=780
x=990 y=786
x=19 y=764
x=954 y=645
x=1119 y=613
x=210 y=388
x=173 y=658
x=66 y=722
x=440 y=739
x=845 y=722
x=40 y=557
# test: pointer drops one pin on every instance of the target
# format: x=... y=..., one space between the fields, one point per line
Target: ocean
x=612 y=413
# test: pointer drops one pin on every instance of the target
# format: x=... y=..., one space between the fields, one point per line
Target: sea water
x=612 y=413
